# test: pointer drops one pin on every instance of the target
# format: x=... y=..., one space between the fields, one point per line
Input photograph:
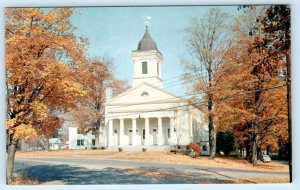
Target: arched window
x=145 y=94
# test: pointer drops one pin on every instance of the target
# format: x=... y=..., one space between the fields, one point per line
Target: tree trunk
x=268 y=150
x=247 y=151
x=254 y=151
x=212 y=132
x=211 y=127
x=254 y=124
x=47 y=144
x=97 y=138
x=11 y=151
x=254 y=139
x=212 y=143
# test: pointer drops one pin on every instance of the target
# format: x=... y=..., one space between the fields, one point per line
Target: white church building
x=146 y=115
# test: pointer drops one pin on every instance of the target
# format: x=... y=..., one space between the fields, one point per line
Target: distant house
x=55 y=144
x=80 y=140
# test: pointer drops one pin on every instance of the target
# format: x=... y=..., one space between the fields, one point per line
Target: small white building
x=147 y=115
x=55 y=144
x=80 y=140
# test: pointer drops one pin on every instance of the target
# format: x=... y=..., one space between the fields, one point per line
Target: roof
x=147 y=43
x=150 y=85
x=55 y=141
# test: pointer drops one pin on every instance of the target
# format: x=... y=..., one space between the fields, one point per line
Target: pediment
x=143 y=93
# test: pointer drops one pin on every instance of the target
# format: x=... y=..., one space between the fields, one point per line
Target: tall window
x=144 y=67
x=80 y=142
x=157 y=68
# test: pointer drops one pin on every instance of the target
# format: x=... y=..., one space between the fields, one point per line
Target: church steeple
x=147 y=43
x=147 y=61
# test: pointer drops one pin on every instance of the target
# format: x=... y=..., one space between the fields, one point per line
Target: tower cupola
x=146 y=43
x=147 y=62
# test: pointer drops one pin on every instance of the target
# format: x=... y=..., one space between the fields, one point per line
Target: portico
x=141 y=131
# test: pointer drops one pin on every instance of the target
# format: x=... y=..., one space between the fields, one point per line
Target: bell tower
x=147 y=61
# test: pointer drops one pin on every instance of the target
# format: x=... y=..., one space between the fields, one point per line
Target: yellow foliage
x=25 y=132
x=43 y=58
x=11 y=123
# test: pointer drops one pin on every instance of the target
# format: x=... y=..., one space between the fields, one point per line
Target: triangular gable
x=155 y=94
x=55 y=141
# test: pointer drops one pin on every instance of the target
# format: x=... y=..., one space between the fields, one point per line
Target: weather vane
x=147 y=20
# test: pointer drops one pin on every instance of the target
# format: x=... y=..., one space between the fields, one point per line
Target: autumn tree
x=90 y=112
x=207 y=38
x=251 y=106
x=276 y=24
x=89 y=115
x=118 y=86
x=252 y=98
x=42 y=57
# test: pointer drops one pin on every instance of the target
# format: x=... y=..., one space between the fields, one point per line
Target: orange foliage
x=42 y=59
x=89 y=114
x=195 y=147
x=252 y=100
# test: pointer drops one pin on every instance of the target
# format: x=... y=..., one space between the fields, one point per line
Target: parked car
x=265 y=158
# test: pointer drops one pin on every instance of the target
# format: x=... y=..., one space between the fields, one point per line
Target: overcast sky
x=116 y=31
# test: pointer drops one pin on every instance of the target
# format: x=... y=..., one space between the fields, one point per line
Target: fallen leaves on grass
x=23 y=181
x=158 y=156
x=176 y=176
x=264 y=180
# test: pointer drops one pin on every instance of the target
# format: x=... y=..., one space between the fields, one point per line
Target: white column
x=146 y=131
x=110 y=132
x=172 y=126
x=133 y=131
x=160 y=132
x=121 y=137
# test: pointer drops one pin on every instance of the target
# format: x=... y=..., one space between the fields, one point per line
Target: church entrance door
x=115 y=138
x=143 y=137
x=130 y=136
x=154 y=135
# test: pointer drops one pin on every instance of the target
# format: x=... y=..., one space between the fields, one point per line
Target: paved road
x=111 y=171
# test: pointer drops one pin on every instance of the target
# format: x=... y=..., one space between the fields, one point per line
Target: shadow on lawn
x=74 y=175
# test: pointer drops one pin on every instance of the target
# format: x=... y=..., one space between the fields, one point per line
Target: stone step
x=140 y=148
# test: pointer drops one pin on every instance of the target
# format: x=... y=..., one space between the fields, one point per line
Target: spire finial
x=147 y=21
